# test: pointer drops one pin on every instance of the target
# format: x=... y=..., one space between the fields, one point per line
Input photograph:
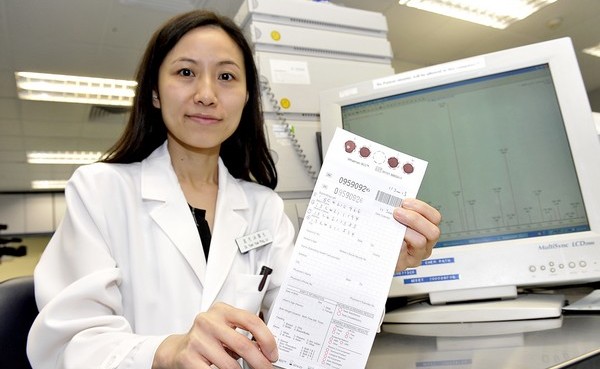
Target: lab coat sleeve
x=80 y=324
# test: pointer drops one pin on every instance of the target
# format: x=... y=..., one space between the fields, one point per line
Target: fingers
x=425 y=210
x=422 y=222
x=219 y=325
x=421 y=218
x=179 y=352
x=415 y=249
x=262 y=336
x=216 y=339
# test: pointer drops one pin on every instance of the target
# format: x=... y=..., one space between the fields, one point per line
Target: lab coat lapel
x=168 y=208
x=228 y=226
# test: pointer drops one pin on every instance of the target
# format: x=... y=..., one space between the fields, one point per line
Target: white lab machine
x=296 y=80
x=302 y=48
x=301 y=168
x=307 y=14
x=287 y=39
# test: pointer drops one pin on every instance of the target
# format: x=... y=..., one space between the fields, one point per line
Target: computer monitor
x=514 y=167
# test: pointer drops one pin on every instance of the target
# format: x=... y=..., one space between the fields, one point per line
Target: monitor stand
x=476 y=329
x=523 y=307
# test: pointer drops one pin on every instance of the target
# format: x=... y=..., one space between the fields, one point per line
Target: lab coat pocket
x=247 y=296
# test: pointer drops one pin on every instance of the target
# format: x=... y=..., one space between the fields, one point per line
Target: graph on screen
x=500 y=166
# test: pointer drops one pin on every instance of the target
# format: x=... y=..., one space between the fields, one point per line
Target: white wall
x=28 y=214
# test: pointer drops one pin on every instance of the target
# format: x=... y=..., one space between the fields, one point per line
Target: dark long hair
x=245 y=153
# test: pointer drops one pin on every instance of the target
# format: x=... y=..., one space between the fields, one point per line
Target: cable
x=268 y=91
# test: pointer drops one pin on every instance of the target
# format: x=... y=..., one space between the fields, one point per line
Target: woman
x=124 y=282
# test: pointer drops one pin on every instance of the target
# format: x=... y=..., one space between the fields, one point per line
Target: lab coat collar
x=160 y=184
x=228 y=225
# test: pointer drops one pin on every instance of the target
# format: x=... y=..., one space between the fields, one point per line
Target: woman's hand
x=422 y=232
x=213 y=340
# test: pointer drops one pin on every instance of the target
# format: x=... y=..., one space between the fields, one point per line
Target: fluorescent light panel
x=177 y=6
x=65 y=157
x=74 y=89
x=49 y=184
x=594 y=50
x=493 y=13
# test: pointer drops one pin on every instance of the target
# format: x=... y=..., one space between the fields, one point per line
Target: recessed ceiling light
x=594 y=50
x=63 y=157
x=74 y=89
x=493 y=13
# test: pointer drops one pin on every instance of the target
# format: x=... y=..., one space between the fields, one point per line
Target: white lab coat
x=126 y=267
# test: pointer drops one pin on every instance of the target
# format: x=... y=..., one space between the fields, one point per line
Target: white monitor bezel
x=513 y=261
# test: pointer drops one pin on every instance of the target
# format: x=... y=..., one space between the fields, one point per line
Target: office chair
x=17 y=312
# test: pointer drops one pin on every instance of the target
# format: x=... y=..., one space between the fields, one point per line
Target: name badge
x=254 y=241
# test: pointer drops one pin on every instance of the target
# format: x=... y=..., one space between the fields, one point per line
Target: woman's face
x=202 y=89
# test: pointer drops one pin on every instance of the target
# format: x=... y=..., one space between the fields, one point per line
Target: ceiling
x=105 y=38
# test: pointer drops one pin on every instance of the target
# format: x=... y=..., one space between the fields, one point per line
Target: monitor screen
x=500 y=167
x=513 y=167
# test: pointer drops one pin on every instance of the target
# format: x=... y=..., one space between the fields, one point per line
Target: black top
x=203 y=228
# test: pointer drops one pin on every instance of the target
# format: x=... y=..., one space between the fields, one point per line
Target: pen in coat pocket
x=264 y=271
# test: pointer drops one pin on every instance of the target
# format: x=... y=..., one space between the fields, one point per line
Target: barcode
x=386 y=198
